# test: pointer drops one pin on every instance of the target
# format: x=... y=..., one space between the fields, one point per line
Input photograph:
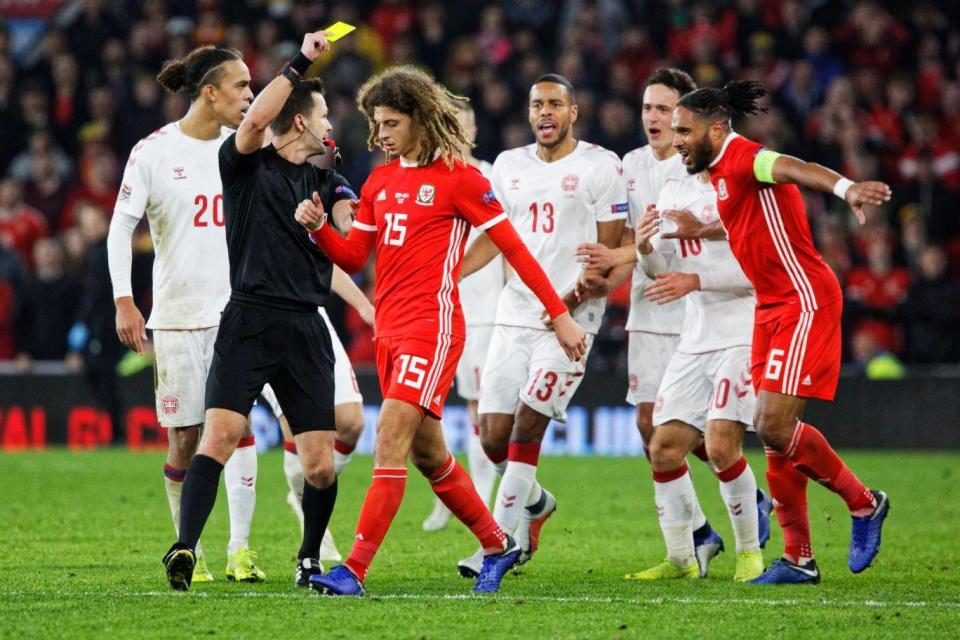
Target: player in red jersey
x=796 y=339
x=417 y=210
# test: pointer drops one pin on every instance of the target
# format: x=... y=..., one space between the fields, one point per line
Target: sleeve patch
x=488 y=197
x=620 y=207
x=345 y=190
x=763 y=165
x=125 y=192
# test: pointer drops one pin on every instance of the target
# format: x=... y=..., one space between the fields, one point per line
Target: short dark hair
x=556 y=78
x=300 y=101
x=676 y=79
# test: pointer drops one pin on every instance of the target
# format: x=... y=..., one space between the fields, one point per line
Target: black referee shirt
x=273 y=262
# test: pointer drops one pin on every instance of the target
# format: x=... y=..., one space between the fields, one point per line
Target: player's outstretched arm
x=344 y=286
x=481 y=252
x=570 y=335
x=773 y=167
x=350 y=253
x=266 y=106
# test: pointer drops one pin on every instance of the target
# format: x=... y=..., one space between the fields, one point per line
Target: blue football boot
x=495 y=566
x=785 y=572
x=339 y=582
x=865 y=537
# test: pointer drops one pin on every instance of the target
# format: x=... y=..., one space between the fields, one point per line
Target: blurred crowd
x=869 y=88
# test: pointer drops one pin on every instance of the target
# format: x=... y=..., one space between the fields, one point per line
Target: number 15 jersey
x=556 y=206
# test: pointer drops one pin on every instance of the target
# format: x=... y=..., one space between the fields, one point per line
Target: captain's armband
x=763 y=165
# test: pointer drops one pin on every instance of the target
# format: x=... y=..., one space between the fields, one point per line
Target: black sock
x=317 y=507
x=197 y=497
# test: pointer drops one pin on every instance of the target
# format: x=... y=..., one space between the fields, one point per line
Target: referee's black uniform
x=270 y=331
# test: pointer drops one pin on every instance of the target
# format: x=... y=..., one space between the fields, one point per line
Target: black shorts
x=291 y=351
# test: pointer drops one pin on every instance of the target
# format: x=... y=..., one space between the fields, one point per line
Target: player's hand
x=310 y=213
x=591 y=286
x=647 y=227
x=671 y=286
x=867 y=193
x=314 y=44
x=570 y=299
x=688 y=227
x=593 y=255
x=354 y=207
x=131 y=329
x=571 y=336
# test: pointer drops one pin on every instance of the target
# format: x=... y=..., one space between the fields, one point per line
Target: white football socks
x=293 y=472
x=519 y=481
x=482 y=470
x=740 y=496
x=675 y=499
x=240 y=477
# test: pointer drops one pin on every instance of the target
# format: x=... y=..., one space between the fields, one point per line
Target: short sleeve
x=742 y=154
x=134 y=187
x=476 y=201
x=340 y=189
x=235 y=166
x=609 y=189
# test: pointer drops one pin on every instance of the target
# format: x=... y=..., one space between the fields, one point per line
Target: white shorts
x=527 y=365
x=471 y=362
x=701 y=387
x=180 y=374
x=647 y=357
x=345 y=390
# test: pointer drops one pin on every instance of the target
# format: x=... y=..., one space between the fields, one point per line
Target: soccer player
x=706 y=394
x=270 y=330
x=171 y=175
x=653 y=329
x=559 y=193
x=478 y=296
x=416 y=210
x=796 y=339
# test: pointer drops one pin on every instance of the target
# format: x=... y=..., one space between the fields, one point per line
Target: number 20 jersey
x=556 y=206
x=175 y=179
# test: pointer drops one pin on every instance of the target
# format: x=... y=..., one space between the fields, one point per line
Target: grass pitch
x=83 y=534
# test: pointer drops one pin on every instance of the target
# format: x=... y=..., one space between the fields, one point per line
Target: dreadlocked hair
x=734 y=99
x=198 y=68
x=413 y=92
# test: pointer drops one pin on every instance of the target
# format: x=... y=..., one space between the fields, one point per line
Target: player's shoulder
x=737 y=147
x=641 y=157
x=596 y=152
x=522 y=155
x=153 y=144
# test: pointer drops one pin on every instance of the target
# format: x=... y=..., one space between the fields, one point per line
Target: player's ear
x=209 y=92
x=574 y=113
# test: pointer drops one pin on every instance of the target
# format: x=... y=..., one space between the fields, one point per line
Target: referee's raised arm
x=268 y=104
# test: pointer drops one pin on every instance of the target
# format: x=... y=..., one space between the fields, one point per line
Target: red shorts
x=418 y=369
x=797 y=353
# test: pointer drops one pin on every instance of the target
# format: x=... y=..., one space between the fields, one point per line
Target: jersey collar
x=409 y=165
x=733 y=134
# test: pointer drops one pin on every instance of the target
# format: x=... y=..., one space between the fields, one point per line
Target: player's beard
x=562 y=133
x=700 y=155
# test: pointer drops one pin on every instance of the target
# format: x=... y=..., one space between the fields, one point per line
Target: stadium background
x=869 y=88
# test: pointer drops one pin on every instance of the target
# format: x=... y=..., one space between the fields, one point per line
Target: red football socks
x=813 y=455
x=379 y=508
x=453 y=486
x=788 y=489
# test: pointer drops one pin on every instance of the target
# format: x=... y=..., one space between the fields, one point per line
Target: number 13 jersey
x=556 y=206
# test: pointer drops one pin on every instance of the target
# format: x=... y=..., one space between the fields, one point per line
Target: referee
x=270 y=331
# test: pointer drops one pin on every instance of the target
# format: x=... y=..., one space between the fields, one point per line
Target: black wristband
x=287 y=72
x=300 y=63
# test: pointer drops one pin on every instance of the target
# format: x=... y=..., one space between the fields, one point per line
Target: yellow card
x=337 y=30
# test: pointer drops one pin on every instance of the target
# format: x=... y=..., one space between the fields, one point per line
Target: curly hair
x=413 y=92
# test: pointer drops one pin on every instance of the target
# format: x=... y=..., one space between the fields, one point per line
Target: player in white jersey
x=653 y=330
x=478 y=297
x=706 y=391
x=173 y=176
x=559 y=193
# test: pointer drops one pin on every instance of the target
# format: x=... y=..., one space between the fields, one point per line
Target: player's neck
x=558 y=151
x=663 y=154
x=411 y=156
x=199 y=123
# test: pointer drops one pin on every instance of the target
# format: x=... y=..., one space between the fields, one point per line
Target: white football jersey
x=556 y=206
x=645 y=176
x=175 y=179
x=480 y=291
x=720 y=315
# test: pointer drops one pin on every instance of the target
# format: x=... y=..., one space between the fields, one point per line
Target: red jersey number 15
x=396 y=229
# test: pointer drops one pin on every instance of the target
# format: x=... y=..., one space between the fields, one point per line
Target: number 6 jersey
x=175 y=179
x=556 y=206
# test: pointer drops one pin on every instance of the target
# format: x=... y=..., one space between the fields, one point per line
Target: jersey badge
x=382 y=195
x=125 y=192
x=570 y=183
x=488 y=197
x=722 y=189
x=401 y=197
x=169 y=404
x=178 y=173
x=426 y=195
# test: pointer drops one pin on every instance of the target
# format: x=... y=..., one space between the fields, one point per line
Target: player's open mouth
x=684 y=156
x=546 y=127
x=654 y=132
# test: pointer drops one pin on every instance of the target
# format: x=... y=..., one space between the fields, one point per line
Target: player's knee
x=530 y=425
x=182 y=444
x=493 y=439
x=319 y=473
x=772 y=428
x=723 y=453
x=427 y=462
x=350 y=427
x=665 y=455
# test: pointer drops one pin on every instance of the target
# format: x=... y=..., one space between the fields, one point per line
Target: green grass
x=83 y=534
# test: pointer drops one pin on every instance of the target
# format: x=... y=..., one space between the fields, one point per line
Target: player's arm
x=592 y=285
x=266 y=106
x=342 y=213
x=771 y=167
x=129 y=209
x=652 y=261
x=481 y=252
x=349 y=253
x=344 y=286
x=689 y=228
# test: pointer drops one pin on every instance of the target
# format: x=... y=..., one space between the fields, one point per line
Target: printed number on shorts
x=774 y=364
x=216 y=210
x=544 y=391
x=412 y=370
x=396 y=229
x=722 y=394
x=542 y=217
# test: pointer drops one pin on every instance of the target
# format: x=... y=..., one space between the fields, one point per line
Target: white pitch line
x=659 y=600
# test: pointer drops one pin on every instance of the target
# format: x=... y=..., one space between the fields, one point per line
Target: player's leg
x=240 y=479
x=292 y=470
x=315 y=453
x=482 y=471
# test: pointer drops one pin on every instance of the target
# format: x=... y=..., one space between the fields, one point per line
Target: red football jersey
x=421 y=217
x=769 y=234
